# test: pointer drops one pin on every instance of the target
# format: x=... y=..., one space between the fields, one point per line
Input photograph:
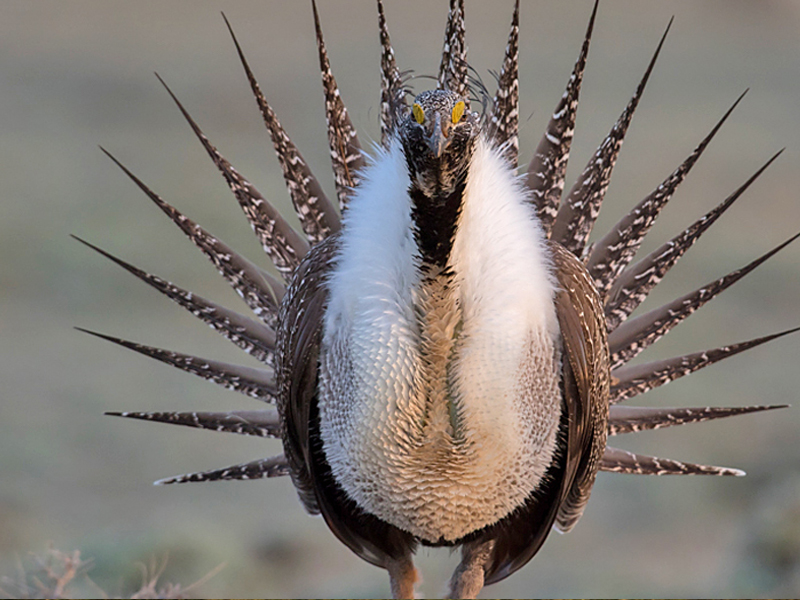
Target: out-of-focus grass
x=56 y=574
x=75 y=74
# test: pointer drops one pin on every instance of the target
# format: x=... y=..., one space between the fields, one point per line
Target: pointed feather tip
x=96 y=249
x=94 y=333
x=317 y=25
x=116 y=162
x=589 y=29
x=235 y=41
x=127 y=414
x=128 y=172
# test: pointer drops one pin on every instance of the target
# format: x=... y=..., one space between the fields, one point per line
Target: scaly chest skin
x=439 y=388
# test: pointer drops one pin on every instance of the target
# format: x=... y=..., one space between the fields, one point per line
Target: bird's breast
x=439 y=387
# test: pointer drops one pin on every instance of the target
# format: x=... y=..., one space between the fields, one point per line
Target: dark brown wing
x=585 y=344
x=566 y=486
x=299 y=340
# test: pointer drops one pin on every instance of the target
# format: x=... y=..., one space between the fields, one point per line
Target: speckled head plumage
x=438 y=137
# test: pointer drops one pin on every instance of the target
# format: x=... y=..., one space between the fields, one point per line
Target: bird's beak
x=438 y=140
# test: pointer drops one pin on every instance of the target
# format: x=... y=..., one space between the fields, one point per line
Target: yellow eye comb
x=458 y=111
x=419 y=114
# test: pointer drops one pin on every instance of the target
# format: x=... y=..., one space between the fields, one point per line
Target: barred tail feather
x=256 y=287
x=633 y=336
x=280 y=241
x=631 y=380
x=256 y=383
x=636 y=281
x=578 y=212
x=317 y=215
x=275 y=466
x=630 y=419
x=344 y=145
x=615 y=250
x=259 y=423
x=504 y=122
x=393 y=92
x=251 y=336
x=621 y=461
x=548 y=167
x=453 y=70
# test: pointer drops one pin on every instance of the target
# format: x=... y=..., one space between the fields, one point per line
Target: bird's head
x=438 y=138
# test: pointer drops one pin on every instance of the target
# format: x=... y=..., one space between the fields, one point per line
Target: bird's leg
x=467 y=580
x=402 y=577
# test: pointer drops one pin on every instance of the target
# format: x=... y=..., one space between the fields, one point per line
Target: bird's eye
x=419 y=114
x=458 y=111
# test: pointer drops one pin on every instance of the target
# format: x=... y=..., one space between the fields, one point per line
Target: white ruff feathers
x=440 y=479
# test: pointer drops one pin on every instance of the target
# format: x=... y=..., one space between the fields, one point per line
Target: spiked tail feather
x=578 y=212
x=630 y=419
x=548 y=167
x=256 y=383
x=631 y=380
x=259 y=423
x=317 y=215
x=279 y=239
x=504 y=122
x=453 y=70
x=256 y=287
x=636 y=282
x=345 y=147
x=393 y=91
x=633 y=336
x=615 y=250
x=621 y=461
x=251 y=336
x=264 y=468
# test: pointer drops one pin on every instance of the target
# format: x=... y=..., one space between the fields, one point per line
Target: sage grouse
x=446 y=350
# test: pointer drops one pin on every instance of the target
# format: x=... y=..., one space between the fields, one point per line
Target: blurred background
x=76 y=74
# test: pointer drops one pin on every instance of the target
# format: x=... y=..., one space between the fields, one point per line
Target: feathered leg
x=467 y=580
x=402 y=577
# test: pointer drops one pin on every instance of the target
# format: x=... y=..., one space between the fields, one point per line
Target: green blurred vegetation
x=75 y=74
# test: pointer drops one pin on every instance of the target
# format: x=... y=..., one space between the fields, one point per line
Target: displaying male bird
x=446 y=351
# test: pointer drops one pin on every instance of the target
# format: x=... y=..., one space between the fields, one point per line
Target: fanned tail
x=317 y=214
x=345 y=147
x=256 y=339
x=259 y=423
x=504 y=122
x=616 y=249
x=256 y=383
x=623 y=286
x=280 y=241
x=453 y=70
x=579 y=211
x=548 y=167
x=630 y=419
x=275 y=466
